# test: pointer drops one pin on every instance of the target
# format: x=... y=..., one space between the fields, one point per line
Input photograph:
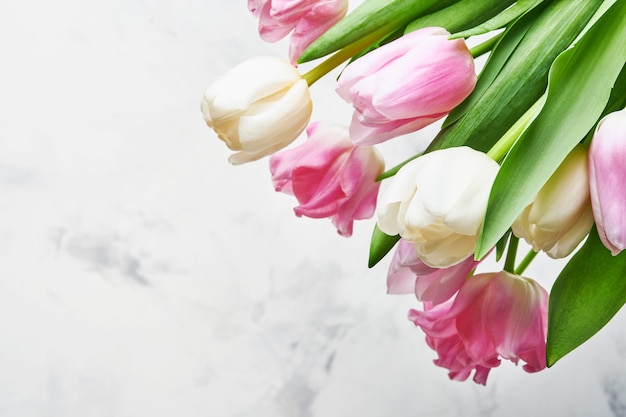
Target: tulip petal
x=287 y=117
x=401 y=188
x=379 y=58
x=363 y=133
x=608 y=180
x=321 y=16
x=458 y=194
x=574 y=236
x=252 y=81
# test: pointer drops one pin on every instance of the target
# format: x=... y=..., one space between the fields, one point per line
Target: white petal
x=400 y=187
x=248 y=82
x=446 y=252
x=573 y=237
x=456 y=187
x=279 y=123
x=566 y=194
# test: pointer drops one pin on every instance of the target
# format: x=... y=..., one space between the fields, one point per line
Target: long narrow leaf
x=501 y=20
x=460 y=16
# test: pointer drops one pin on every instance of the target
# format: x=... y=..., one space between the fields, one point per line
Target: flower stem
x=344 y=54
x=486 y=46
x=509 y=263
x=525 y=262
x=500 y=149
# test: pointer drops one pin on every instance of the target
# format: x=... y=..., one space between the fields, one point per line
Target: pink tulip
x=607 y=180
x=495 y=315
x=329 y=176
x=408 y=274
x=308 y=19
x=406 y=84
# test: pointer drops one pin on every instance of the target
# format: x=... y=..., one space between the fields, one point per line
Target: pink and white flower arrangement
x=513 y=159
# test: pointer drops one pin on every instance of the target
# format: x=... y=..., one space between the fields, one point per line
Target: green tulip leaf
x=519 y=78
x=580 y=84
x=587 y=294
x=460 y=16
x=366 y=19
x=380 y=245
x=501 y=20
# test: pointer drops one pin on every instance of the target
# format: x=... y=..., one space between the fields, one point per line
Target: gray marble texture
x=142 y=275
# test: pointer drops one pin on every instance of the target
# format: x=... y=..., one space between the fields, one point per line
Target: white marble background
x=142 y=275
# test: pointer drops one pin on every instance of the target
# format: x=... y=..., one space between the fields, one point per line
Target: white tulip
x=560 y=216
x=438 y=202
x=258 y=107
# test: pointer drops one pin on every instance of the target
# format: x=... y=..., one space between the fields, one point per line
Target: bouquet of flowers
x=532 y=148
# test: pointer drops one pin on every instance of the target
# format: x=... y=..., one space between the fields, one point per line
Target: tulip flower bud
x=560 y=216
x=493 y=315
x=438 y=202
x=308 y=19
x=330 y=176
x=406 y=84
x=258 y=107
x=607 y=180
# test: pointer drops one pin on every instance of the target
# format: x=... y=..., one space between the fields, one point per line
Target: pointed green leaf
x=587 y=294
x=581 y=80
x=460 y=16
x=522 y=79
x=380 y=245
x=501 y=20
x=370 y=16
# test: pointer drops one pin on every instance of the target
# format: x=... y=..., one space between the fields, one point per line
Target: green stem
x=509 y=264
x=500 y=149
x=525 y=262
x=486 y=46
x=344 y=54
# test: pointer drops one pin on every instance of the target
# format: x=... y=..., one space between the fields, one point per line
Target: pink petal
x=442 y=283
x=314 y=23
x=404 y=268
x=372 y=62
x=607 y=180
x=371 y=134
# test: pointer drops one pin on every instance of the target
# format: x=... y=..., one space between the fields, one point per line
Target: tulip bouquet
x=532 y=148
